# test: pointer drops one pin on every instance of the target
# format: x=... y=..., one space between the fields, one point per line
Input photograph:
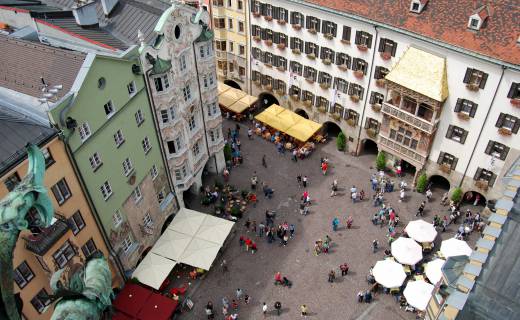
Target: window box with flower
x=359 y=74
x=376 y=107
x=473 y=86
x=343 y=67
x=281 y=46
x=381 y=83
x=256 y=14
x=257 y=38
x=324 y=85
x=281 y=68
x=463 y=115
x=295 y=97
x=307 y=103
x=482 y=184
x=268 y=65
x=371 y=132
x=268 y=18
x=354 y=98
x=297 y=26
x=311 y=56
x=268 y=42
x=329 y=36
x=336 y=116
x=362 y=47
x=516 y=102
x=351 y=122
x=504 y=131
x=312 y=30
x=386 y=55
x=444 y=167
x=345 y=41
x=296 y=51
x=280 y=92
x=326 y=62
x=322 y=109
x=258 y=82
x=268 y=87
x=281 y=22
x=310 y=79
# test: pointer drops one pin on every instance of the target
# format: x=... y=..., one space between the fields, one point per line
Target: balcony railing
x=409 y=118
x=408 y=154
x=41 y=243
x=221 y=54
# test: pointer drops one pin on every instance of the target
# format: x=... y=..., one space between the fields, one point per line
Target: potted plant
x=359 y=74
x=362 y=47
x=322 y=109
x=381 y=161
x=296 y=51
x=268 y=42
x=336 y=116
x=257 y=38
x=256 y=14
x=351 y=122
x=345 y=41
x=297 y=26
x=343 y=67
x=386 y=55
x=307 y=103
x=354 y=98
x=472 y=86
x=371 y=132
x=295 y=97
x=515 y=102
x=328 y=36
x=376 y=107
x=381 y=82
x=310 y=79
x=326 y=62
x=341 y=141
x=268 y=18
x=281 y=46
x=324 y=85
x=463 y=115
x=444 y=167
x=280 y=68
x=456 y=195
x=312 y=30
x=422 y=182
x=281 y=21
x=504 y=131
x=482 y=184
x=311 y=56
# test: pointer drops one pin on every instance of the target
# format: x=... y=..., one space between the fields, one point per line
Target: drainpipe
x=480 y=132
x=368 y=86
x=248 y=57
x=113 y=256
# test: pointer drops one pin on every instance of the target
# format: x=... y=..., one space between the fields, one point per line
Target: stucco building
x=347 y=64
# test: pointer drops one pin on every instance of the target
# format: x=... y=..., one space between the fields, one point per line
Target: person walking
x=291 y=230
x=334 y=188
x=304 y=181
x=299 y=180
x=264 y=310
x=304 y=310
x=335 y=224
x=375 y=245
x=239 y=294
x=344 y=269
x=224 y=266
x=278 y=307
x=250 y=134
x=247 y=299
x=254 y=181
x=264 y=163
x=332 y=276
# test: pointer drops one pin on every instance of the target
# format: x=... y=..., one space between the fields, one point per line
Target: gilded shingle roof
x=446 y=21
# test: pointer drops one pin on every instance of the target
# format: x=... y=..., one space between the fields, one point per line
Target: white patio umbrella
x=433 y=270
x=171 y=244
x=421 y=231
x=407 y=251
x=389 y=273
x=187 y=221
x=418 y=294
x=455 y=247
x=153 y=270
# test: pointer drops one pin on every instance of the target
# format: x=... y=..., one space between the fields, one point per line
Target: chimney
x=108 y=6
x=85 y=14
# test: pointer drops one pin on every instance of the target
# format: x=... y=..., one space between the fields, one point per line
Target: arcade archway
x=266 y=99
x=331 y=129
x=439 y=182
x=302 y=113
x=232 y=84
x=368 y=146
x=474 y=198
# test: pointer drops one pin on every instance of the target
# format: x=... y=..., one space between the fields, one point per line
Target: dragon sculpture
x=82 y=292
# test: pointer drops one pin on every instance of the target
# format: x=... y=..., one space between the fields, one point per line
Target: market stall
x=153 y=269
x=235 y=101
x=406 y=251
x=389 y=273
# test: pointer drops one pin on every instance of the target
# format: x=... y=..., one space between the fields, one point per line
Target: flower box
x=344 y=41
x=295 y=97
x=324 y=85
x=343 y=67
x=282 y=22
x=386 y=55
x=258 y=82
x=268 y=88
x=354 y=98
x=268 y=65
x=322 y=109
x=296 y=51
x=268 y=18
x=446 y=168
x=362 y=47
x=296 y=26
x=307 y=103
x=280 y=92
x=310 y=80
x=504 y=131
x=312 y=30
x=269 y=42
x=472 y=86
x=359 y=74
x=256 y=14
x=281 y=46
x=280 y=68
x=326 y=62
x=257 y=38
x=329 y=36
x=351 y=122
x=336 y=116
x=371 y=132
x=311 y=56
x=463 y=115
x=381 y=83
x=482 y=184
x=515 y=102
x=376 y=107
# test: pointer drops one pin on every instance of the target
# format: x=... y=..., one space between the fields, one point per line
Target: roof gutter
x=411 y=34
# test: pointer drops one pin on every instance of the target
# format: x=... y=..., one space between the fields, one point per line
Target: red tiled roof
x=446 y=21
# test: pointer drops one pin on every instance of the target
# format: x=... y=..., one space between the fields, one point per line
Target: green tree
x=456 y=195
x=227 y=152
x=381 y=161
x=341 y=141
x=422 y=181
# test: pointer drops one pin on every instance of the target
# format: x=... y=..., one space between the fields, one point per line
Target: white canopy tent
x=407 y=251
x=389 y=273
x=418 y=294
x=200 y=253
x=421 y=231
x=172 y=244
x=214 y=229
x=455 y=247
x=187 y=221
x=153 y=269
x=433 y=270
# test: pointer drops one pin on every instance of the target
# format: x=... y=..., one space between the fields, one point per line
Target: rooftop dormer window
x=417 y=6
x=476 y=20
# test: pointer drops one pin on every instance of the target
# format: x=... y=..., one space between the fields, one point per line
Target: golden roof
x=421 y=72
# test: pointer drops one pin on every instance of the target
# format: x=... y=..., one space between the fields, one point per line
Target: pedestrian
x=247 y=224
x=285 y=239
x=225 y=302
x=360 y=296
x=253 y=226
x=254 y=181
x=324 y=167
x=264 y=163
x=225 y=174
x=299 y=179
x=261 y=229
x=247 y=299
x=304 y=181
x=237 y=128
x=254 y=248
x=264 y=309
x=332 y=276
x=344 y=269
x=224 y=266
x=209 y=312
x=304 y=310
x=302 y=208
x=229 y=133
x=278 y=307
x=295 y=155
x=368 y=296
x=250 y=134
x=224 y=311
x=350 y=220
x=334 y=188
x=429 y=195
x=241 y=241
x=239 y=294
x=291 y=230
x=375 y=245
x=234 y=305
x=335 y=224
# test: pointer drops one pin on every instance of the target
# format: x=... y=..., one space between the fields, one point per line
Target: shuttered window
x=466 y=106
x=509 y=122
x=356 y=90
x=475 y=77
x=345 y=35
x=312 y=23
x=380 y=72
x=376 y=98
x=297 y=18
x=329 y=28
x=363 y=39
x=341 y=85
x=456 y=134
x=497 y=149
x=387 y=46
x=485 y=175
x=447 y=159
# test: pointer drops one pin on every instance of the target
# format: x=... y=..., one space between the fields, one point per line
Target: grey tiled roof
x=485 y=243
x=24 y=63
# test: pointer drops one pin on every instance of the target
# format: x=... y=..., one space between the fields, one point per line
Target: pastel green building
x=109 y=129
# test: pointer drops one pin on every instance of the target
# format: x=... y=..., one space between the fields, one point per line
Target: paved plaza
x=254 y=273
